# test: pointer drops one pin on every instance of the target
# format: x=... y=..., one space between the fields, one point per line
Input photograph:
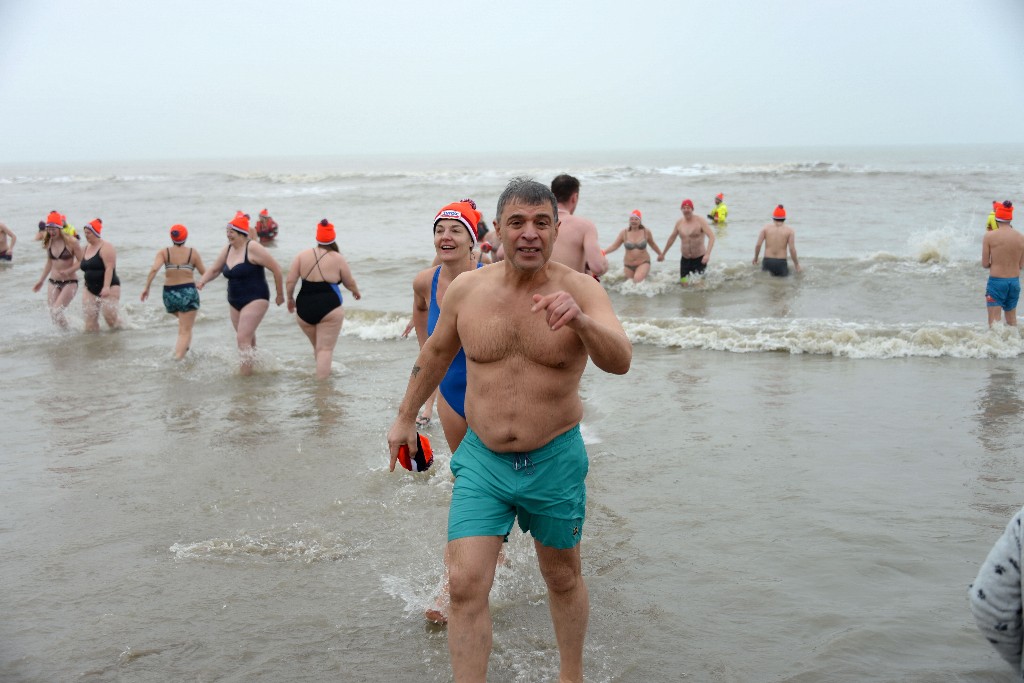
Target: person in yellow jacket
x=720 y=211
x=991 y=223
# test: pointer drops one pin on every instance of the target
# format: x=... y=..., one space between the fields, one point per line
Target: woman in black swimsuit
x=243 y=262
x=63 y=254
x=318 y=306
x=636 y=264
x=102 y=286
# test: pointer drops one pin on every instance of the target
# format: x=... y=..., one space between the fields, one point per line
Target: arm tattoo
x=415 y=370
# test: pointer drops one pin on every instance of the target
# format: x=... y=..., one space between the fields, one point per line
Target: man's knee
x=564 y=575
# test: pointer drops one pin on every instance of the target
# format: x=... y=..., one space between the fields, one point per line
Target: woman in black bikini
x=636 y=264
x=318 y=305
x=63 y=254
x=102 y=286
x=181 y=298
x=242 y=262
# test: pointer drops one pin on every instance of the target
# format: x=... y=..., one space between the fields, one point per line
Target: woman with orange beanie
x=102 y=286
x=63 y=254
x=181 y=298
x=243 y=262
x=318 y=307
x=636 y=264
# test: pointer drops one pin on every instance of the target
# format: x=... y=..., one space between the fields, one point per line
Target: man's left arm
x=590 y=315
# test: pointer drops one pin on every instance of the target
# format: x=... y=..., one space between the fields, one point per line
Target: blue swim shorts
x=181 y=298
x=543 y=488
x=1003 y=292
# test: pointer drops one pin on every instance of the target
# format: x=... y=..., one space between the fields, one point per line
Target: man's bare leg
x=570 y=606
x=471 y=573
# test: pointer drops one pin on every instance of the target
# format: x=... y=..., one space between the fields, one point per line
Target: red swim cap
x=264 y=213
x=240 y=223
x=779 y=214
x=1004 y=212
x=686 y=203
x=636 y=212
x=179 y=233
x=462 y=212
x=325 y=232
x=719 y=196
x=422 y=460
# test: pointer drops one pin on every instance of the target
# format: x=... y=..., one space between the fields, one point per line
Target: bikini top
x=179 y=266
x=642 y=244
x=64 y=255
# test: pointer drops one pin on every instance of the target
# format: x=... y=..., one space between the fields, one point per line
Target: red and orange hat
x=1004 y=212
x=719 y=196
x=264 y=213
x=240 y=223
x=687 y=203
x=779 y=214
x=325 y=232
x=95 y=226
x=419 y=461
x=54 y=220
x=464 y=212
x=179 y=233
x=636 y=212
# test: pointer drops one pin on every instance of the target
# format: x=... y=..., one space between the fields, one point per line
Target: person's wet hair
x=564 y=187
x=528 y=191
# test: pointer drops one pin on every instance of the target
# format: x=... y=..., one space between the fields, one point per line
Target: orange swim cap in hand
x=424 y=455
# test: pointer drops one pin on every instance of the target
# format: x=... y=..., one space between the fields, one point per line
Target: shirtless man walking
x=528 y=325
x=577 y=245
x=1002 y=252
x=777 y=238
x=7 y=240
x=691 y=231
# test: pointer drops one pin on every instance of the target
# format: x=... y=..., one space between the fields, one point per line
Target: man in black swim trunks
x=777 y=239
x=7 y=240
x=691 y=231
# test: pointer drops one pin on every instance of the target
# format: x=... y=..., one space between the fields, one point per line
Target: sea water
x=796 y=481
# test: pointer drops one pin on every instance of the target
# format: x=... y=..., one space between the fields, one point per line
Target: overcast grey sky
x=116 y=79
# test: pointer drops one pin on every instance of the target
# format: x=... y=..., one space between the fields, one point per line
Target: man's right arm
x=986 y=253
x=592 y=251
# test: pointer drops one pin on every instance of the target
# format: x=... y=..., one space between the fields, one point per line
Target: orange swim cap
x=54 y=220
x=1004 y=212
x=719 y=196
x=240 y=223
x=325 y=232
x=465 y=212
x=95 y=225
x=636 y=212
x=179 y=233
x=779 y=214
x=264 y=213
x=422 y=460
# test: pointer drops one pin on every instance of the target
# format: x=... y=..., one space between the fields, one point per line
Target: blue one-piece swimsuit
x=453 y=385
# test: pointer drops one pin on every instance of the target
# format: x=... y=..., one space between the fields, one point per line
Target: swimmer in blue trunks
x=1002 y=252
x=181 y=298
x=529 y=326
x=243 y=262
x=318 y=307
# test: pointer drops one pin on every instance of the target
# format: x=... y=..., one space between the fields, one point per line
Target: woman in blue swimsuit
x=243 y=262
x=455 y=242
x=318 y=306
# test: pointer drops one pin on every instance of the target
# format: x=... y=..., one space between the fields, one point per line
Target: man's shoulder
x=576 y=223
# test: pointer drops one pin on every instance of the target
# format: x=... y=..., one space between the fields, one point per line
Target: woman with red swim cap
x=181 y=298
x=636 y=264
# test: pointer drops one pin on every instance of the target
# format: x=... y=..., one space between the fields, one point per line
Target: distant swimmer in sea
x=1002 y=252
x=636 y=264
x=529 y=327
x=266 y=228
x=63 y=254
x=7 y=240
x=318 y=307
x=181 y=298
x=455 y=240
x=242 y=262
x=577 y=245
x=720 y=212
x=992 y=223
x=692 y=231
x=777 y=239
x=102 y=286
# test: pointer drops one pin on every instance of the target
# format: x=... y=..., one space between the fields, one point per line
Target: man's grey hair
x=528 y=191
